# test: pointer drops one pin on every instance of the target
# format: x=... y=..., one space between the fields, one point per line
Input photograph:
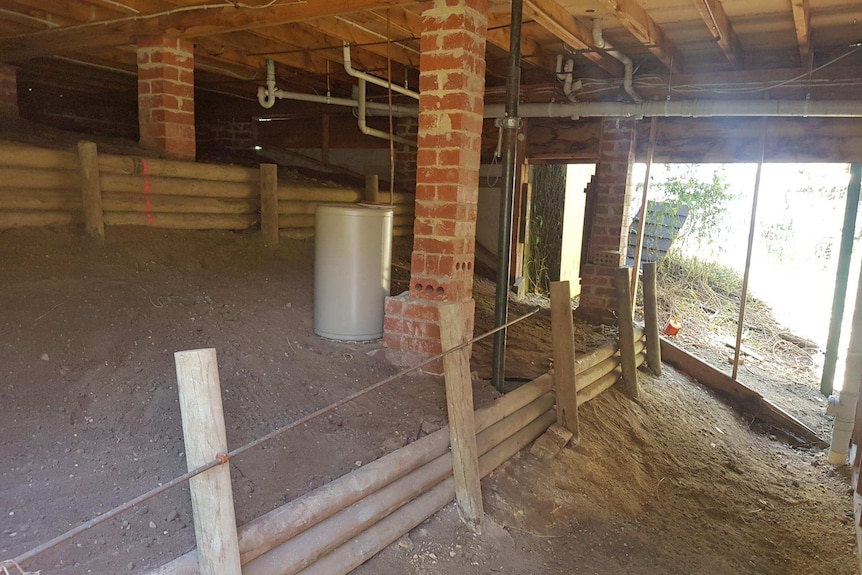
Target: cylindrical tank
x=352 y=255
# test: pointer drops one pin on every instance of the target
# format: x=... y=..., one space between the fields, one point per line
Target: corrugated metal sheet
x=663 y=222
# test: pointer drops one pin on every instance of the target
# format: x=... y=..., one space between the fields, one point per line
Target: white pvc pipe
x=844 y=406
x=628 y=67
x=351 y=71
x=365 y=129
x=688 y=109
x=266 y=96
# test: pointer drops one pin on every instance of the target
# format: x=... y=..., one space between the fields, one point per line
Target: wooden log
x=269 y=204
x=157 y=185
x=37 y=178
x=204 y=438
x=157 y=167
x=594 y=357
x=358 y=550
x=40 y=200
x=605 y=382
x=114 y=202
x=91 y=190
x=182 y=221
x=306 y=548
x=372 y=188
x=22 y=156
x=596 y=372
x=651 y=326
x=27 y=219
x=296 y=233
x=281 y=524
x=563 y=338
x=290 y=208
x=462 y=426
x=308 y=221
x=622 y=283
x=318 y=194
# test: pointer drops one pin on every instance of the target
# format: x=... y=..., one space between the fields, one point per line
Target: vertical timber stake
x=563 y=336
x=462 y=426
x=91 y=190
x=653 y=344
x=372 y=189
x=204 y=437
x=622 y=281
x=269 y=204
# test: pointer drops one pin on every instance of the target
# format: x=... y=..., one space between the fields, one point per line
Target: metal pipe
x=851 y=208
x=628 y=67
x=844 y=406
x=351 y=71
x=510 y=124
x=688 y=109
x=368 y=131
x=741 y=322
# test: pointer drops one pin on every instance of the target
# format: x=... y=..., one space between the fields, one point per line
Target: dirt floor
x=677 y=483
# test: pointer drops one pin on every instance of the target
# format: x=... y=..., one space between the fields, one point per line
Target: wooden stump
x=563 y=336
x=91 y=190
x=622 y=282
x=269 y=203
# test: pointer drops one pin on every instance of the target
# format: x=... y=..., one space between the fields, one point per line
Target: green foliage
x=546 y=225
x=706 y=200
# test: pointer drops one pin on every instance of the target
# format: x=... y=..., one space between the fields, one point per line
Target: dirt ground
x=89 y=417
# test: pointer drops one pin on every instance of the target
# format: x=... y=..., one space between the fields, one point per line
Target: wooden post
x=462 y=425
x=204 y=437
x=740 y=324
x=563 y=336
x=269 y=204
x=372 y=189
x=91 y=190
x=622 y=281
x=639 y=242
x=653 y=344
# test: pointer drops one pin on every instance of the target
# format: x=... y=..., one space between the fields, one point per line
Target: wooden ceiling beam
x=370 y=40
x=499 y=34
x=641 y=25
x=196 y=22
x=551 y=16
x=802 y=22
x=713 y=14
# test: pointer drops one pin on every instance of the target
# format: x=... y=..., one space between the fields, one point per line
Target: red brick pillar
x=8 y=91
x=452 y=85
x=609 y=234
x=166 y=96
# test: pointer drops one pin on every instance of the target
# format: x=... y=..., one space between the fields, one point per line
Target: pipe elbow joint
x=265 y=97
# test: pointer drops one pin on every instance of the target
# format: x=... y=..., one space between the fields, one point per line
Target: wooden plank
x=269 y=204
x=636 y=20
x=91 y=190
x=194 y=22
x=156 y=204
x=802 y=23
x=737 y=392
x=715 y=18
x=622 y=283
x=651 y=328
x=462 y=425
x=563 y=338
x=554 y=18
x=204 y=437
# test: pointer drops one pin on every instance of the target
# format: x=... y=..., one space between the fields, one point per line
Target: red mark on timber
x=148 y=208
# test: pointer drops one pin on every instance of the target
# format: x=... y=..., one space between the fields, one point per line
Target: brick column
x=166 y=97
x=609 y=233
x=8 y=91
x=452 y=85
